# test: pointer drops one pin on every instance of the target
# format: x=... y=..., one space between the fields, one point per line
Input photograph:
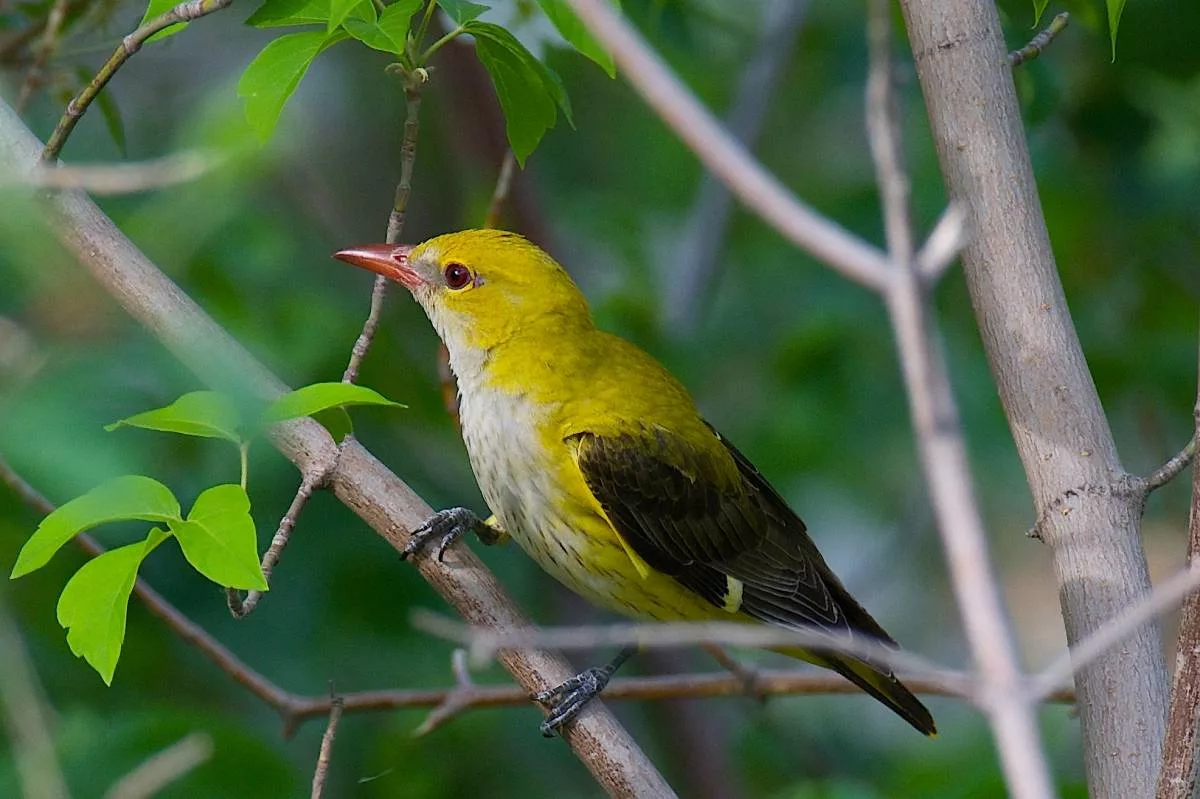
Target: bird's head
x=479 y=287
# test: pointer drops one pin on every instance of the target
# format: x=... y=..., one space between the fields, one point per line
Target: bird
x=596 y=461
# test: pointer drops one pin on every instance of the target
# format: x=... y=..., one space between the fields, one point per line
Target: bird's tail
x=880 y=684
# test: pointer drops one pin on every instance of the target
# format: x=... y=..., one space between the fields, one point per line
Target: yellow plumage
x=596 y=461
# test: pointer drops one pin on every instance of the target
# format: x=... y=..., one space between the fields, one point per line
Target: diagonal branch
x=724 y=156
x=184 y=12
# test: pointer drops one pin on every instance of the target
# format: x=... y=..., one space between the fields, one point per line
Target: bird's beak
x=389 y=260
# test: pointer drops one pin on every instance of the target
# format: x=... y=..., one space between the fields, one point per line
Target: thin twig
x=337 y=705
x=158 y=771
x=459 y=698
x=695 y=268
x=395 y=227
x=1172 y=468
x=127 y=178
x=1040 y=42
x=33 y=76
x=500 y=193
x=483 y=644
x=1180 y=772
x=728 y=160
x=241 y=606
x=26 y=716
x=942 y=448
x=184 y=12
x=1161 y=599
x=945 y=242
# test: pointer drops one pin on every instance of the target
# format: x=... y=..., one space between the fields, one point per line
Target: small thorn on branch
x=1040 y=42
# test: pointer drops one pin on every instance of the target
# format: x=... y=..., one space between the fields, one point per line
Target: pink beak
x=389 y=260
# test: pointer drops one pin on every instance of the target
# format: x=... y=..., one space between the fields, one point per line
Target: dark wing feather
x=666 y=500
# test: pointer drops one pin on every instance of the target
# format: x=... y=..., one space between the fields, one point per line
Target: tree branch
x=943 y=450
x=360 y=481
x=1055 y=416
x=724 y=156
x=1180 y=773
x=1040 y=42
x=337 y=705
x=184 y=12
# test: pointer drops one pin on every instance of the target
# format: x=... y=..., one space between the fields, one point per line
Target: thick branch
x=1051 y=404
x=366 y=486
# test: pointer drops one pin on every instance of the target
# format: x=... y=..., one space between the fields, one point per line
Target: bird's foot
x=446 y=525
x=564 y=702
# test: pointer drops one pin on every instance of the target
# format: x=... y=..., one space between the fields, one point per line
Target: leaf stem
x=244 y=452
x=433 y=48
x=424 y=26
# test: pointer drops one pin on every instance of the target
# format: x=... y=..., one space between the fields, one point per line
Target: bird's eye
x=457 y=275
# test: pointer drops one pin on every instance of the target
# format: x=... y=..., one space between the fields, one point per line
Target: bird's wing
x=733 y=541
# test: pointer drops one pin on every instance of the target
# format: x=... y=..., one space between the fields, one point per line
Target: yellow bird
x=595 y=459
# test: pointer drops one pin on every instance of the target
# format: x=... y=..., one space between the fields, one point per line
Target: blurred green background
x=794 y=364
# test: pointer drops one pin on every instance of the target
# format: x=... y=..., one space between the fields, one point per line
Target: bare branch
x=184 y=12
x=1040 y=42
x=360 y=481
x=127 y=178
x=33 y=75
x=945 y=242
x=500 y=193
x=483 y=643
x=241 y=606
x=1049 y=398
x=1172 y=468
x=1159 y=601
x=1180 y=772
x=335 y=716
x=698 y=255
x=395 y=227
x=25 y=716
x=942 y=448
x=721 y=154
x=459 y=698
x=161 y=769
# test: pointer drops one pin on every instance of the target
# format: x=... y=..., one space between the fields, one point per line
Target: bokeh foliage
x=793 y=364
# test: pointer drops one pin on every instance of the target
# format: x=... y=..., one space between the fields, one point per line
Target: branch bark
x=1051 y=404
x=360 y=481
x=1180 y=773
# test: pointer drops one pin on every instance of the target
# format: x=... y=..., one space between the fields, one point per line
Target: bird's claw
x=564 y=702
x=447 y=525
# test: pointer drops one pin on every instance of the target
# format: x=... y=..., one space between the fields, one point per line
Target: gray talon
x=449 y=525
x=567 y=700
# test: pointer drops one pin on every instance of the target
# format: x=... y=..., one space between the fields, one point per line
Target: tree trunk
x=1084 y=514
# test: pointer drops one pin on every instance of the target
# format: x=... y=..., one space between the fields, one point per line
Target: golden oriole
x=595 y=459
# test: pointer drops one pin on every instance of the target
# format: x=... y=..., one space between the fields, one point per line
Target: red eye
x=457 y=276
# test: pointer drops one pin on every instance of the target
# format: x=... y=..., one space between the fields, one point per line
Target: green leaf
x=200 y=413
x=340 y=9
x=307 y=400
x=219 y=539
x=94 y=602
x=276 y=72
x=461 y=11
x=129 y=497
x=1115 y=9
x=571 y=29
x=521 y=83
x=157 y=8
x=396 y=18
x=1039 y=8
x=372 y=35
x=282 y=13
